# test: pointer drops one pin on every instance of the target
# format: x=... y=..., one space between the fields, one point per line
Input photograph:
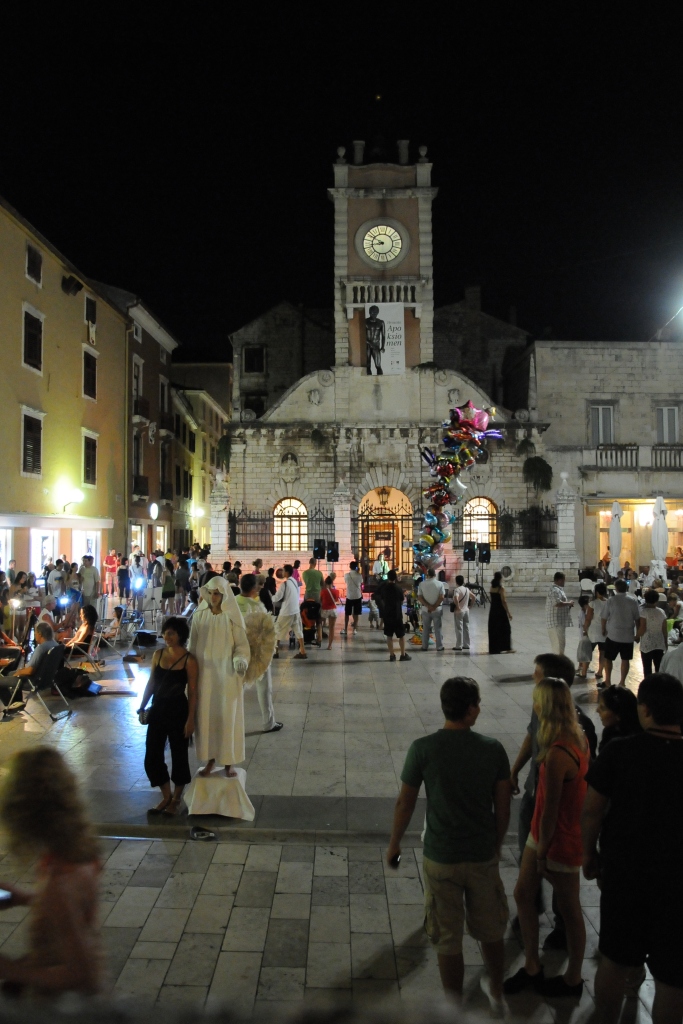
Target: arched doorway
x=384 y=522
x=480 y=521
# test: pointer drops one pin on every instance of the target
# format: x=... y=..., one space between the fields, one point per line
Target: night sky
x=188 y=160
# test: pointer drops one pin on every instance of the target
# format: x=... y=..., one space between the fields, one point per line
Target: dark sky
x=188 y=160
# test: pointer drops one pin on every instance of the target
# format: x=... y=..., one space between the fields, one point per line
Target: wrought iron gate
x=374 y=529
x=254 y=530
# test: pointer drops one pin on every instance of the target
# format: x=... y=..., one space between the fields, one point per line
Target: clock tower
x=383 y=271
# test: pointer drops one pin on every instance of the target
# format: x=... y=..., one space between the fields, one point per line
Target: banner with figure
x=385 y=338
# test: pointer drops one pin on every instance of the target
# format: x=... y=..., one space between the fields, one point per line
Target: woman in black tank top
x=173 y=688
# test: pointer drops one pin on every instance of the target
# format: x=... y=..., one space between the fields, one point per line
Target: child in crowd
x=42 y=813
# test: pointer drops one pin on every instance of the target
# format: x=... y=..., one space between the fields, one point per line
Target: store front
x=33 y=541
x=636 y=530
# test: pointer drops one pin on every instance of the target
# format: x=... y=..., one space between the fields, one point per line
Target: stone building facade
x=336 y=455
x=336 y=446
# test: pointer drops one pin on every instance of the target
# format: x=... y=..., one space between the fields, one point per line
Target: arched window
x=290 y=525
x=480 y=521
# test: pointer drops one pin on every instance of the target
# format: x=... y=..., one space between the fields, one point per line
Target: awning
x=57 y=522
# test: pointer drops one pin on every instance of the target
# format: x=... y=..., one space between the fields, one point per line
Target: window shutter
x=671 y=431
x=595 y=425
x=660 y=426
x=89 y=460
x=607 y=432
x=89 y=375
x=33 y=341
x=32 y=460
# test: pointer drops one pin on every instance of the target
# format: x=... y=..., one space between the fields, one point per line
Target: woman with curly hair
x=553 y=849
x=42 y=812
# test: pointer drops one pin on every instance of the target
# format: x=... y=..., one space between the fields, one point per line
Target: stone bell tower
x=382 y=250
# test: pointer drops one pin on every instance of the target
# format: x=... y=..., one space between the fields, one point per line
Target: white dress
x=215 y=640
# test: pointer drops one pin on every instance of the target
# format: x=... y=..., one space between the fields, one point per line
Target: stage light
x=64 y=601
x=139 y=583
x=15 y=603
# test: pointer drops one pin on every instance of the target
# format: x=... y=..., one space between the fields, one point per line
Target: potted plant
x=538 y=473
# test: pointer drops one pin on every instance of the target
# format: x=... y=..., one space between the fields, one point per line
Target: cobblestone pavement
x=298 y=904
x=349 y=717
x=266 y=926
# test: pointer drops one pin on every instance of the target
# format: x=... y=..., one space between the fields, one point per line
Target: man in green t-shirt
x=467 y=779
x=313 y=582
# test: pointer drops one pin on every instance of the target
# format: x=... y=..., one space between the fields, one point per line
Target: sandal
x=300 y=656
x=172 y=807
x=158 y=810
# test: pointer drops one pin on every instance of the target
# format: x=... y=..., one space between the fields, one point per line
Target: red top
x=565 y=847
x=328 y=598
x=111 y=564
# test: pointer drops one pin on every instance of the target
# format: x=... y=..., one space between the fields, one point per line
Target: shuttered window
x=33 y=341
x=89 y=375
x=90 y=310
x=89 y=460
x=33 y=442
x=34 y=264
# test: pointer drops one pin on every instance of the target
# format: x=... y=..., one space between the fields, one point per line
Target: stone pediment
x=422 y=394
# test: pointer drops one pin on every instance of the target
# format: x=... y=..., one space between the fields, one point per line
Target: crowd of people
x=612 y=811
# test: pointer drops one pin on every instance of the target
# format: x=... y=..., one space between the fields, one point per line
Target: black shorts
x=600 y=644
x=396 y=629
x=354 y=606
x=612 y=648
x=640 y=920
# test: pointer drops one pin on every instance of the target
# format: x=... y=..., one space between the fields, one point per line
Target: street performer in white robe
x=219 y=642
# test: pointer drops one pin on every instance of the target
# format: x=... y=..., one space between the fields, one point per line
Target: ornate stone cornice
x=411 y=192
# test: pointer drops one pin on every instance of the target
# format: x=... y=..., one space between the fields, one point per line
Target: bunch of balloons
x=465 y=438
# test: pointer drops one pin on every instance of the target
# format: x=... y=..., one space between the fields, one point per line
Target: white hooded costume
x=220 y=645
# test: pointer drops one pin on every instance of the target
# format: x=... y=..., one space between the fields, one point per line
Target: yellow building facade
x=63 y=396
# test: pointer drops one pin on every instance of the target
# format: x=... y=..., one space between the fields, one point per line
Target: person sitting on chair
x=10 y=653
x=35 y=667
x=113 y=631
x=82 y=638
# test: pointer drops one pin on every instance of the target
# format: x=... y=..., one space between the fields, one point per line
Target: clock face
x=382 y=243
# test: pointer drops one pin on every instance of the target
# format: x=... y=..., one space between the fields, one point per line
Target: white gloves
x=240 y=665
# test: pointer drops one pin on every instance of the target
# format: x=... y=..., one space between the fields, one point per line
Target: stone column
x=342 y=527
x=565 y=505
x=220 y=505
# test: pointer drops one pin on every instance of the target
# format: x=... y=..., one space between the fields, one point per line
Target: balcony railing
x=141 y=486
x=667 y=456
x=361 y=292
x=141 y=408
x=617 y=456
x=633 y=457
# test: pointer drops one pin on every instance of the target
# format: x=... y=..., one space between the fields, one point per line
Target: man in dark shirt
x=389 y=597
x=634 y=807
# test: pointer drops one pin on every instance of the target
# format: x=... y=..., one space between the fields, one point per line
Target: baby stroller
x=310 y=615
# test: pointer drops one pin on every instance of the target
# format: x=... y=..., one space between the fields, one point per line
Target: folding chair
x=24 y=640
x=53 y=662
x=85 y=652
x=99 y=638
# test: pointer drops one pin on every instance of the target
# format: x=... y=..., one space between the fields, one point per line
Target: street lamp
x=76 y=497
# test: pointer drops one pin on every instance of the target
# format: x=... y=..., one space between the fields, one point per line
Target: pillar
x=220 y=506
x=342 y=526
x=565 y=506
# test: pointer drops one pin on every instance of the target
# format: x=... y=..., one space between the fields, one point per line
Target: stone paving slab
x=333 y=758
x=263 y=948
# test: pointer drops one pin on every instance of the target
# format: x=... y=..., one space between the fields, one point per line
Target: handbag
x=584 y=651
x=143 y=716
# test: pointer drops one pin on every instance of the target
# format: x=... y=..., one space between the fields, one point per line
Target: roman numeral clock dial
x=382 y=243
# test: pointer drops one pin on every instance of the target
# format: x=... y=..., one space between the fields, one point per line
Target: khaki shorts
x=455 y=893
x=284 y=623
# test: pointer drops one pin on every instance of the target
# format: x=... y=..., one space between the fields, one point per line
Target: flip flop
x=202 y=835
